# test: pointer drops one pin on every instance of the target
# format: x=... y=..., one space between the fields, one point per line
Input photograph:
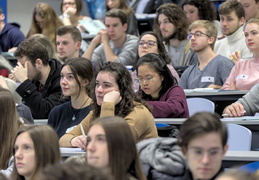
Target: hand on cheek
x=112 y=96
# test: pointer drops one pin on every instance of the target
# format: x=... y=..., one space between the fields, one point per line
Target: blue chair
x=251 y=167
x=161 y=125
x=239 y=138
x=196 y=105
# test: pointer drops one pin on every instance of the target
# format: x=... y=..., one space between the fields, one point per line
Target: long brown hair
x=50 y=22
x=123 y=6
x=8 y=126
x=123 y=155
x=46 y=148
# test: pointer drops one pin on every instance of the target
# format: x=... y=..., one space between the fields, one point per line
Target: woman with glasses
x=113 y=96
x=159 y=89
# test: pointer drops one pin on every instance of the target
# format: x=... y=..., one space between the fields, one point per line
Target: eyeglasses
x=149 y=43
x=68 y=3
x=147 y=79
x=196 y=35
x=199 y=153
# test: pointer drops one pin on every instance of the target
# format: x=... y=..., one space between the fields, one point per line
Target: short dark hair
x=232 y=5
x=201 y=124
x=33 y=50
x=117 y=13
x=177 y=17
x=78 y=6
x=70 y=29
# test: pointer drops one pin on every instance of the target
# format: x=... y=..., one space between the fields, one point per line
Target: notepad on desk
x=71 y=150
x=242 y=118
x=92 y=26
x=201 y=90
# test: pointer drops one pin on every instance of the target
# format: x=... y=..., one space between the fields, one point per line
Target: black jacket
x=41 y=103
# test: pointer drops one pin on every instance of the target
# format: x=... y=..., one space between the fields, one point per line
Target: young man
x=232 y=18
x=251 y=8
x=211 y=70
x=203 y=140
x=68 y=42
x=116 y=45
x=10 y=36
x=172 y=24
x=39 y=78
x=248 y=105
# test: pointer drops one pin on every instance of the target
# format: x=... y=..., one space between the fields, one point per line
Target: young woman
x=201 y=10
x=35 y=147
x=244 y=74
x=113 y=95
x=110 y=145
x=45 y=21
x=159 y=89
x=76 y=75
x=8 y=126
x=132 y=20
x=150 y=42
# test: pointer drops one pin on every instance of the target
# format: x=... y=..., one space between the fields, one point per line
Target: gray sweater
x=250 y=101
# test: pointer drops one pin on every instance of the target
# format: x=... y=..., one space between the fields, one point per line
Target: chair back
x=200 y=105
x=239 y=138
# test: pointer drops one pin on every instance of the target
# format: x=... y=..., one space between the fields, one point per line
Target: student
x=113 y=95
x=235 y=174
x=247 y=105
x=44 y=21
x=68 y=42
x=203 y=139
x=76 y=76
x=9 y=124
x=244 y=74
x=159 y=89
x=10 y=36
x=110 y=145
x=172 y=24
x=39 y=78
x=201 y=10
x=211 y=70
x=232 y=18
x=35 y=147
x=115 y=44
x=150 y=42
x=251 y=8
x=132 y=20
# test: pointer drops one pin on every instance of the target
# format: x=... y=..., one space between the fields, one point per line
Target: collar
x=239 y=34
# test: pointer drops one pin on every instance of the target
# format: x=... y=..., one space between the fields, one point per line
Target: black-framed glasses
x=196 y=35
x=149 y=43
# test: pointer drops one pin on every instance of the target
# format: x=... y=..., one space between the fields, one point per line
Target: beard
x=168 y=38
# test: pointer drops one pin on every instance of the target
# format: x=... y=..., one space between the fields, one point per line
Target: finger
x=26 y=65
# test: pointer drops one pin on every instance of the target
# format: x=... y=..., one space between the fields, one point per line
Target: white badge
x=242 y=76
x=207 y=79
x=70 y=129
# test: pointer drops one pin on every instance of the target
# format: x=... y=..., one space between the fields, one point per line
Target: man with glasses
x=203 y=140
x=113 y=44
x=211 y=70
x=232 y=18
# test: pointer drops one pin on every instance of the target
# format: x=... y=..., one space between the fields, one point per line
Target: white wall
x=20 y=11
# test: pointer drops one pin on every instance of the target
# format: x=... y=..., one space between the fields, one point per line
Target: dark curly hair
x=124 y=81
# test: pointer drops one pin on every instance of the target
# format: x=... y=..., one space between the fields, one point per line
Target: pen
x=226 y=115
x=82 y=130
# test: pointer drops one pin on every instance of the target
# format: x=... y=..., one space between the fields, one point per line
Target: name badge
x=242 y=76
x=70 y=129
x=207 y=79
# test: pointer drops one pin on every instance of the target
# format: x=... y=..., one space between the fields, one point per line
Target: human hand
x=234 y=110
x=235 y=56
x=12 y=50
x=233 y=86
x=112 y=96
x=79 y=141
x=70 y=11
x=11 y=76
x=214 y=86
x=3 y=83
x=20 y=73
x=104 y=36
x=96 y=40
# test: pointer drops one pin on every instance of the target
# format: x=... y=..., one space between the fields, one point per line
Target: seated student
x=111 y=145
x=76 y=76
x=247 y=105
x=211 y=70
x=39 y=77
x=68 y=42
x=35 y=146
x=132 y=20
x=150 y=42
x=115 y=44
x=10 y=36
x=9 y=124
x=159 y=89
x=244 y=75
x=113 y=95
x=203 y=139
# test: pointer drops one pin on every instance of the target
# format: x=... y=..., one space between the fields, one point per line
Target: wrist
x=65 y=15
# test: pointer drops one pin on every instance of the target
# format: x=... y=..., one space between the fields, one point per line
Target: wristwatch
x=66 y=16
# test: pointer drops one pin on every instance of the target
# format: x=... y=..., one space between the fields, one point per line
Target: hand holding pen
x=79 y=141
x=234 y=110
